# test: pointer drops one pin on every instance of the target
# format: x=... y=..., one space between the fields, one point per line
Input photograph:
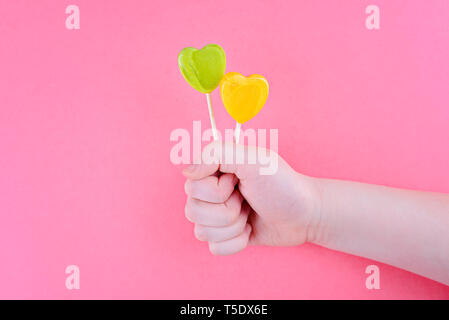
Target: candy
x=243 y=97
x=203 y=69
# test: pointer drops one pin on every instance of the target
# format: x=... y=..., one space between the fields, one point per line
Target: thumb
x=204 y=165
x=225 y=157
x=199 y=171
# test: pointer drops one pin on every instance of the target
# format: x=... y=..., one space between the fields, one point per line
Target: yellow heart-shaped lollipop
x=243 y=97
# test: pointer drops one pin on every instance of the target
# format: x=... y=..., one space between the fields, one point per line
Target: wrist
x=317 y=221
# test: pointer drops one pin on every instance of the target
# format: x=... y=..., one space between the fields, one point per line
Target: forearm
x=403 y=228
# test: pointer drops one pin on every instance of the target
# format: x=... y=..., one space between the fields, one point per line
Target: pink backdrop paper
x=86 y=115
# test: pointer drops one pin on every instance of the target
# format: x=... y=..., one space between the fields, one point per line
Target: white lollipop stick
x=212 y=118
x=238 y=127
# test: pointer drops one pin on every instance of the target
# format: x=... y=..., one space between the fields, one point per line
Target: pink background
x=85 y=119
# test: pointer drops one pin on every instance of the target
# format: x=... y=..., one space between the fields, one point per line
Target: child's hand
x=404 y=228
x=281 y=209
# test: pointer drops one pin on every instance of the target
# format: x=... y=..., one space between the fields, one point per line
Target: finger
x=231 y=246
x=213 y=214
x=217 y=234
x=212 y=188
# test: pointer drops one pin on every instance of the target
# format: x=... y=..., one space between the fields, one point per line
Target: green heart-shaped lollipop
x=204 y=68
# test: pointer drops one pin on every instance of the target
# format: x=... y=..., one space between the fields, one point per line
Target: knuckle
x=233 y=214
x=229 y=219
x=241 y=227
x=221 y=196
x=226 y=218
